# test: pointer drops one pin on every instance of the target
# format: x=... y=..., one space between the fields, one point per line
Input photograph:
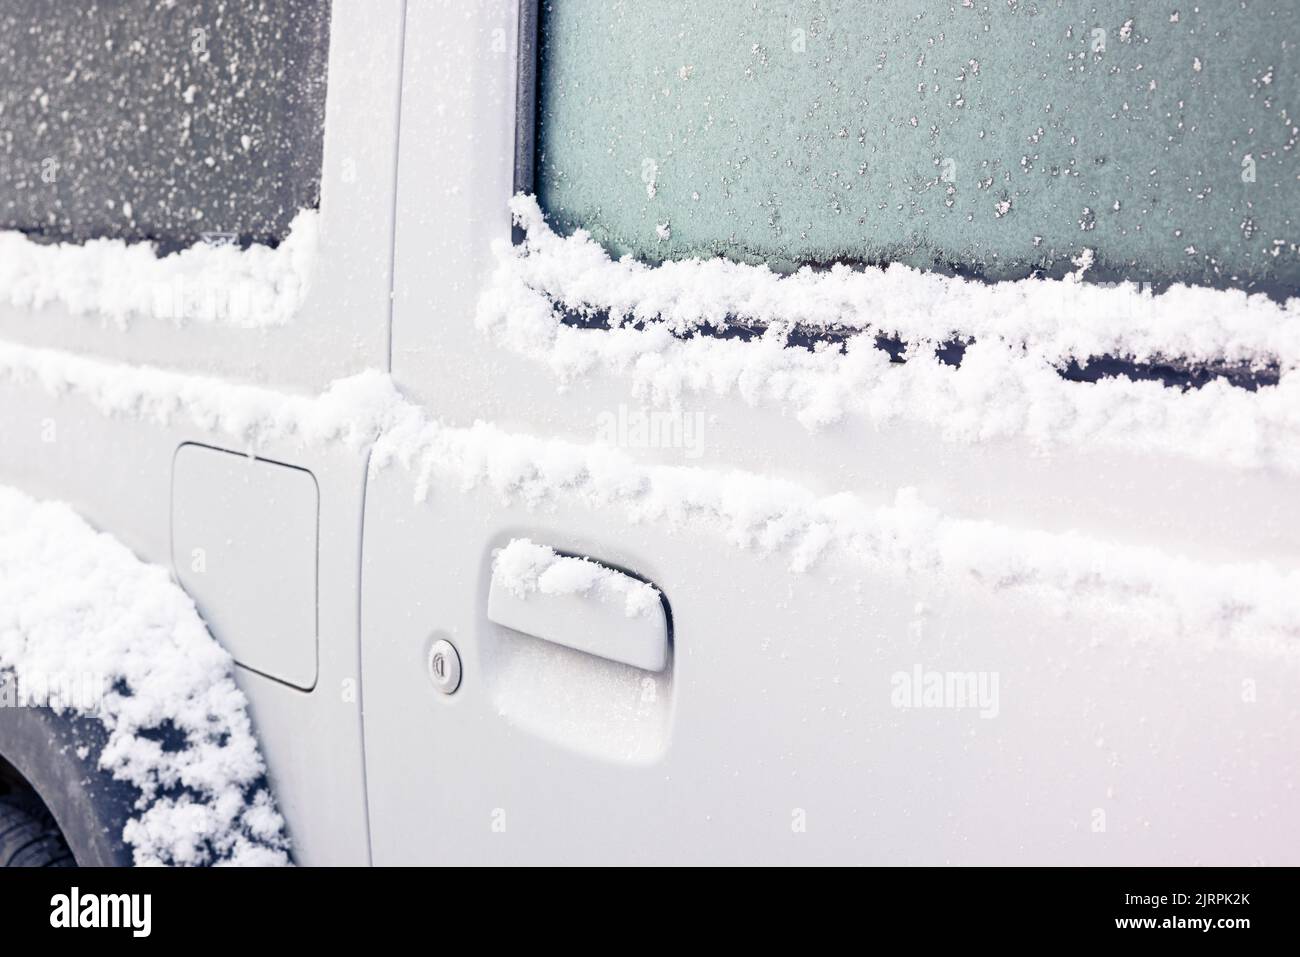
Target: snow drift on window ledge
x=74 y=599
x=1007 y=384
x=118 y=281
x=1053 y=319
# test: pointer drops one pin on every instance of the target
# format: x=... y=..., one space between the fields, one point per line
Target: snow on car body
x=927 y=611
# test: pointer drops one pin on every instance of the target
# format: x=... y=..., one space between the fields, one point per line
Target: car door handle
x=580 y=603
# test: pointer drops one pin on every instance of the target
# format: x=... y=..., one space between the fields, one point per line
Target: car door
x=911 y=611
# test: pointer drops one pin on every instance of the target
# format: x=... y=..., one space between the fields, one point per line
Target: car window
x=160 y=120
x=998 y=139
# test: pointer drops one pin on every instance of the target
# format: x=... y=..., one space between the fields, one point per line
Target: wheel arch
x=57 y=755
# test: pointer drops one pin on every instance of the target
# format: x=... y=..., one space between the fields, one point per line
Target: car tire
x=28 y=835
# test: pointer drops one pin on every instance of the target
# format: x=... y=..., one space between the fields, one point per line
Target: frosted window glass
x=157 y=120
x=989 y=138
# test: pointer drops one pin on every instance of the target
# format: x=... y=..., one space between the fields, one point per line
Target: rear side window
x=998 y=139
x=162 y=120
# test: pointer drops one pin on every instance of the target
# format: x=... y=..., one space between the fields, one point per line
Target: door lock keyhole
x=444 y=666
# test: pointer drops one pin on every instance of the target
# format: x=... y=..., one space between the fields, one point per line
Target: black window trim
x=1170 y=372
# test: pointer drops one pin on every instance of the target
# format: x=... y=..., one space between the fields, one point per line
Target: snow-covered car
x=684 y=432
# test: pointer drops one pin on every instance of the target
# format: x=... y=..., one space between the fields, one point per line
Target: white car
x=618 y=433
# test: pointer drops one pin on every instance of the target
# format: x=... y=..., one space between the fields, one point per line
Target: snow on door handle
x=578 y=603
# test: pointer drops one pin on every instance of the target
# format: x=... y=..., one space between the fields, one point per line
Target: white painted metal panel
x=244 y=545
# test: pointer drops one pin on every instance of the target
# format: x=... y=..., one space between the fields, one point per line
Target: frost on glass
x=997 y=139
x=163 y=120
